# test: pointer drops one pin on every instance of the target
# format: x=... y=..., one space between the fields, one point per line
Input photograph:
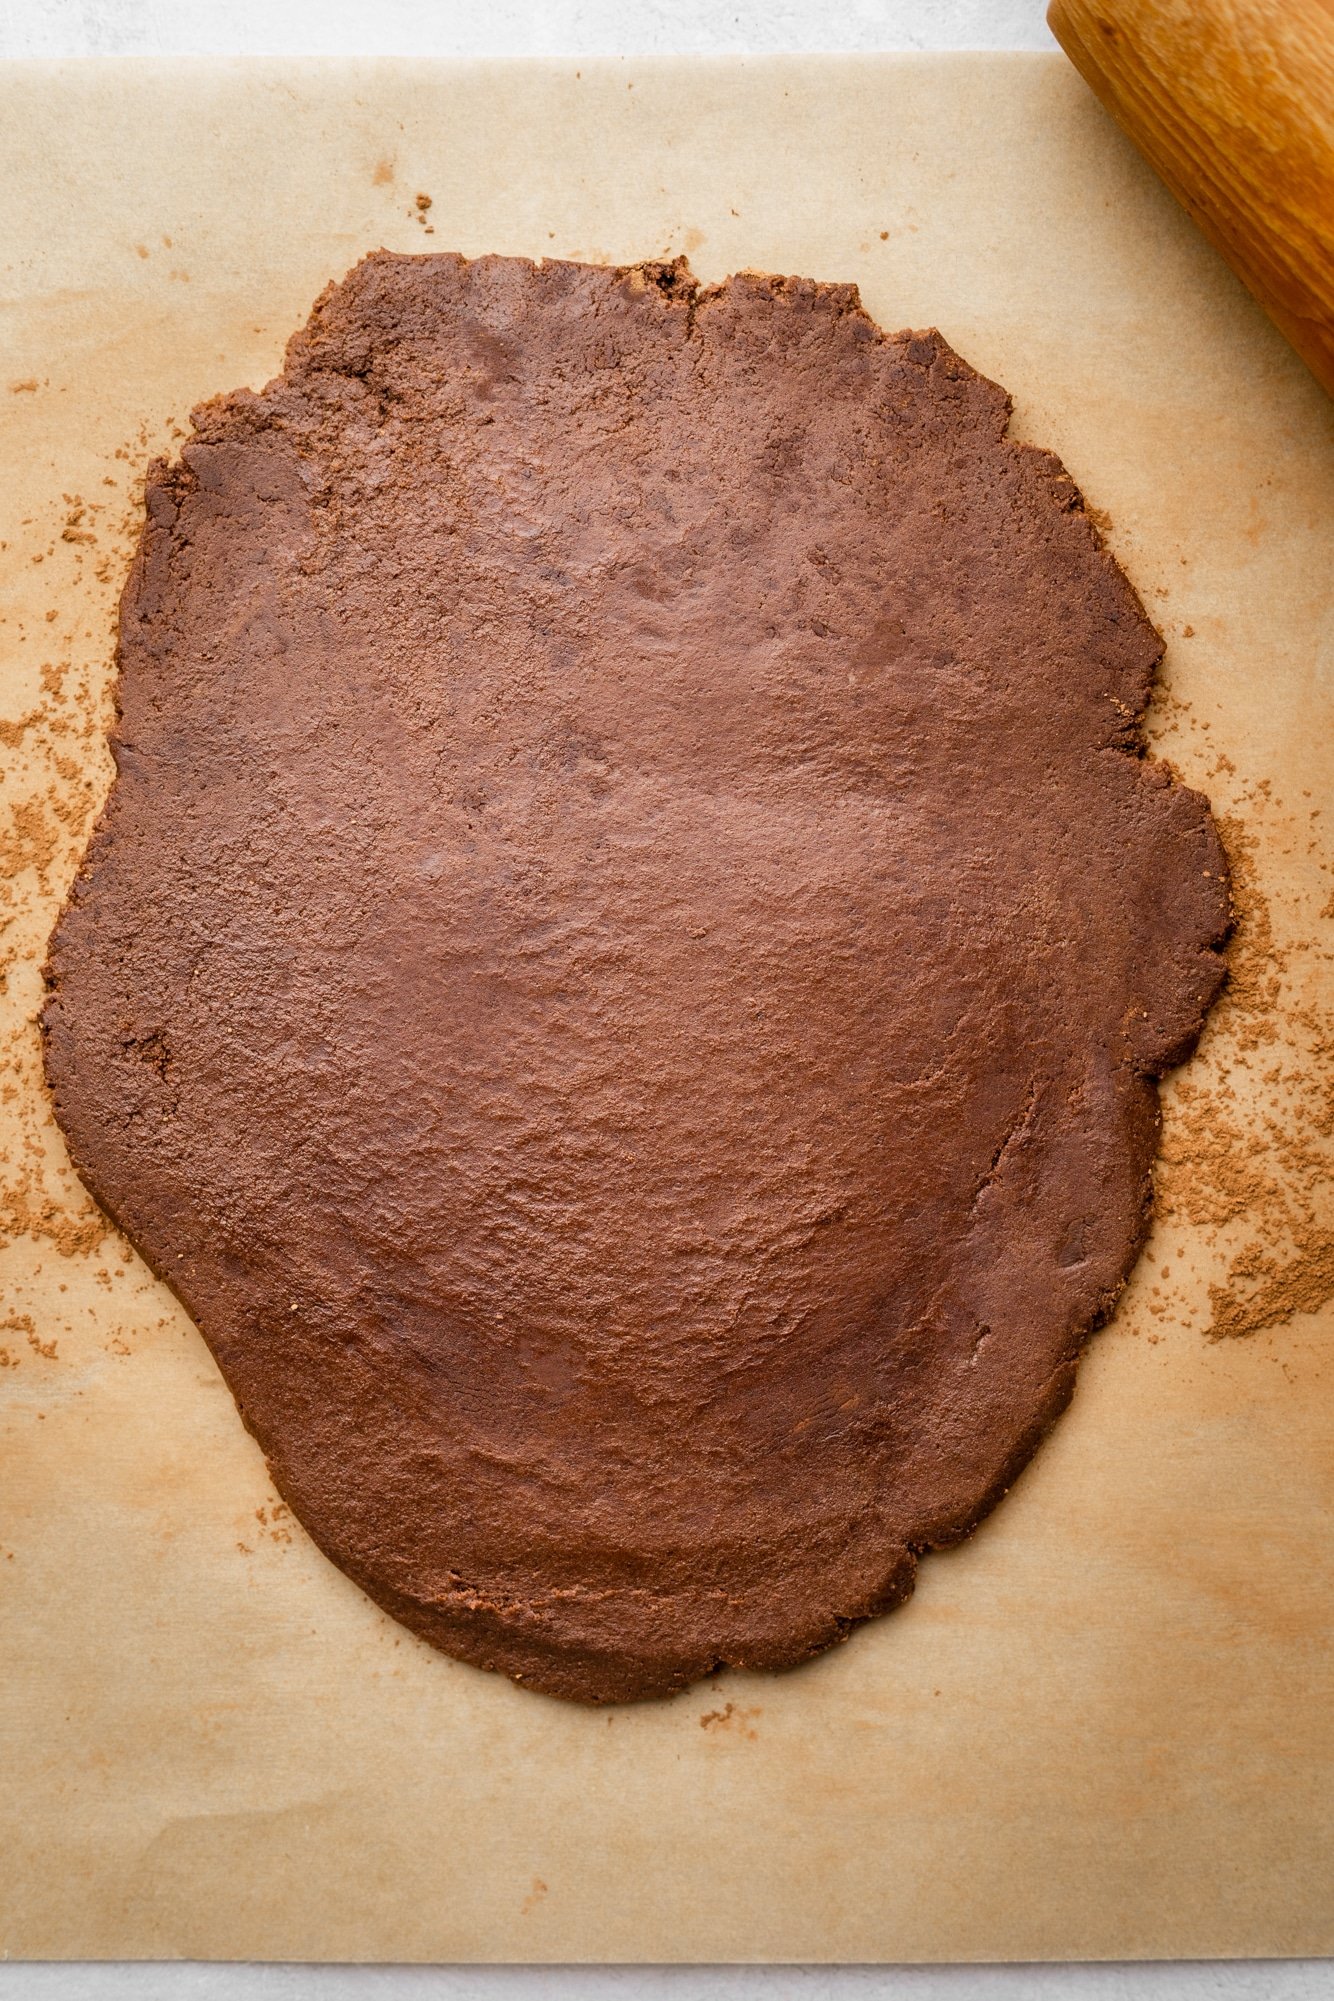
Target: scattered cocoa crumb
x=732 y=1718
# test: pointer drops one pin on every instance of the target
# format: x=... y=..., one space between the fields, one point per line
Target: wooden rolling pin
x=1233 y=102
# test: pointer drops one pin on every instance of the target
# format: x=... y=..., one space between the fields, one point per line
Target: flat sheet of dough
x=1105 y=1727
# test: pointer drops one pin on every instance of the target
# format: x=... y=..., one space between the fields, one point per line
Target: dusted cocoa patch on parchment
x=623 y=973
x=52 y=753
x=1247 y=1159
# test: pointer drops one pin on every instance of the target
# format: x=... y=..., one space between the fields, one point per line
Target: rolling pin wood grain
x=1232 y=101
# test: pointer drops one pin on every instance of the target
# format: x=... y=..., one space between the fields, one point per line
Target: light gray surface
x=510 y=27
x=55 y=28
x=1230 y=1980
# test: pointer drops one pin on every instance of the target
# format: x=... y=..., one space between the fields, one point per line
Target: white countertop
x=60 y=28
x=1217 y=1980
x=511 y=27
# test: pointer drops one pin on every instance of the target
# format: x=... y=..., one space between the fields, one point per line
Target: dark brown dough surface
x=623 y=971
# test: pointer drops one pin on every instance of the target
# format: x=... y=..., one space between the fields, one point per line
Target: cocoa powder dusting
x=1247 y=1159
x=54 y=773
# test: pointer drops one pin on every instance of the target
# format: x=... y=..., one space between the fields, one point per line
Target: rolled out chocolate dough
x=623 y=972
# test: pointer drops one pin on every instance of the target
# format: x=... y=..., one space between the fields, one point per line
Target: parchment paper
x=1105 y=1727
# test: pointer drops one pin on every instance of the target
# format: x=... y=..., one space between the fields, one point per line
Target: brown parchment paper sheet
x=1105 y=1727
